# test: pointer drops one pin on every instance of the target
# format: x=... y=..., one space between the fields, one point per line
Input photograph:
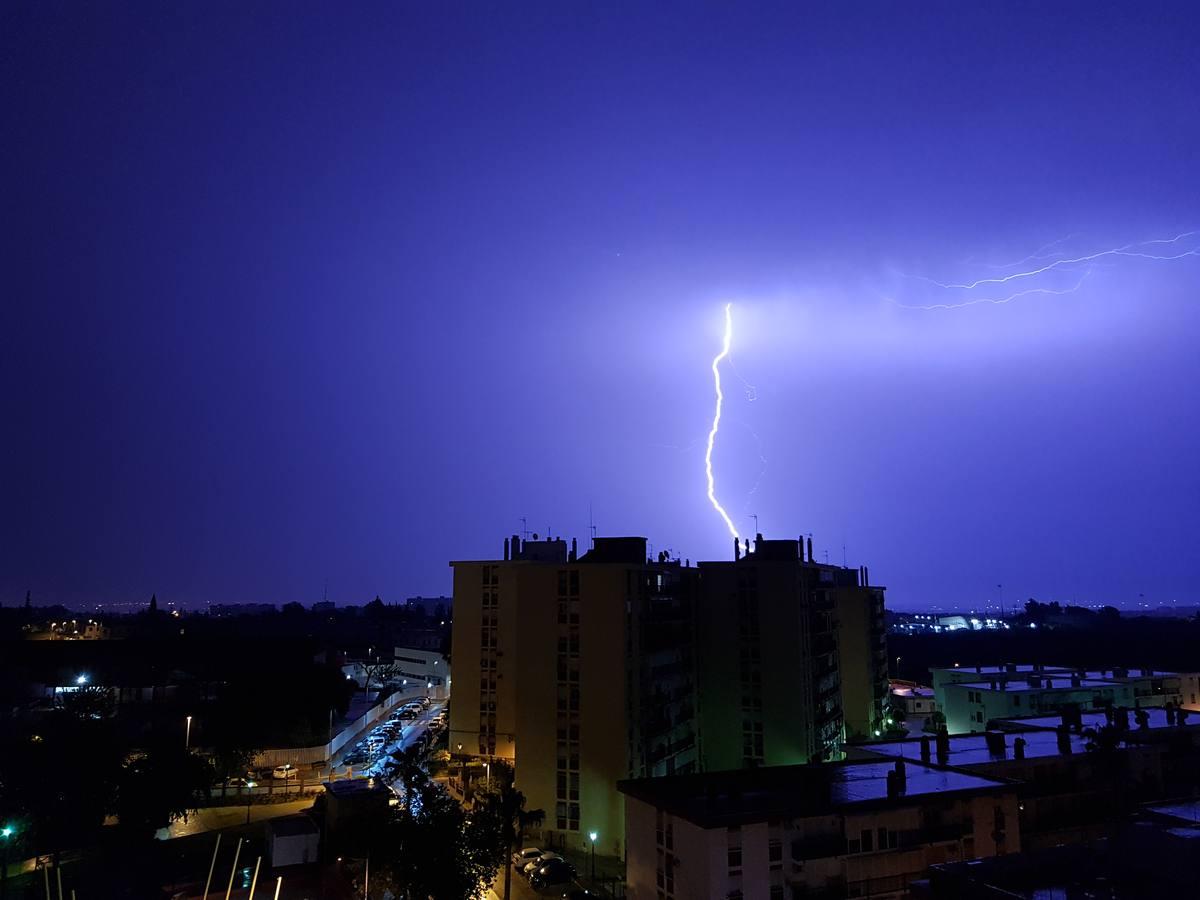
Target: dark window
x=735 y=857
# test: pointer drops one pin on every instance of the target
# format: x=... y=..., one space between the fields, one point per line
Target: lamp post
x=592 y=835
x=6 y=836
x=249 y=796
x=187 y=735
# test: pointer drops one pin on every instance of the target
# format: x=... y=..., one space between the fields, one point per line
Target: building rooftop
x=1054 y=683
x=357 y=787
x=293 y=826
x=973 y=749
x=744 y=796
x=1156 y=718
x=915 y=690
x=1181 y=812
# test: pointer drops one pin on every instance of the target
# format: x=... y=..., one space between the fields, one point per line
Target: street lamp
x=898 y=666
x=187 y=737
x=6 y=833
x=593 y=835
x=81 y=679
x=249 y=796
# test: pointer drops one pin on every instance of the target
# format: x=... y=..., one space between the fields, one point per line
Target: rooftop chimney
x=810 y=553
x=506 y=549
x=737 y=550
x=995 y=742
x=574 y=551
x=1064 y=739
x=1019 y=748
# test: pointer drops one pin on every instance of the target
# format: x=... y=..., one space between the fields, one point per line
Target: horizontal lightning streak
x=996 y=301
x=1127 y=250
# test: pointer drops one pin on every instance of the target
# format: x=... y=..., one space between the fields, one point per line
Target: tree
x=507 y=805
x=231 y=760
x=90 y=701
x=378 y=672
x=153 y=604
x=430 y=849
x=935 y=722
x=158 y=785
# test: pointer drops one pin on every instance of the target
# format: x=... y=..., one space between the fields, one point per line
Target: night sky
x=298 y=295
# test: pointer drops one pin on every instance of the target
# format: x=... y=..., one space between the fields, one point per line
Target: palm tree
x=514 y=820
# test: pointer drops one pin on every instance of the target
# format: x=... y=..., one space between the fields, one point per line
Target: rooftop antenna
x=755 y=518
x=1000 y=591
x=844 y=564
x=826 y=556
x=524 y=529
x=591 y=526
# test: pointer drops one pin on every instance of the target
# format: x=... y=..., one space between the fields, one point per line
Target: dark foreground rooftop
x=744 y=796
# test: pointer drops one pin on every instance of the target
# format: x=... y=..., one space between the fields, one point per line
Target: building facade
x=834 y=830
x=582 y=670
x=785 y=645
x=578 y=671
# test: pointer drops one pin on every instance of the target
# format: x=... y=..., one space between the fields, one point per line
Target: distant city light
x=82 y=679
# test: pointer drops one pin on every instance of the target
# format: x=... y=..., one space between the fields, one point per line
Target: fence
x=317 y=757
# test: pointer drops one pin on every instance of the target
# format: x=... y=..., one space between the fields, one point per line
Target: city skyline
x=308 y=303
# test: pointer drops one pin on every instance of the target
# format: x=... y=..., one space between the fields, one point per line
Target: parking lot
x=416 y=723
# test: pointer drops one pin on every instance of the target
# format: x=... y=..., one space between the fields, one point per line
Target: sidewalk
x=214 y=818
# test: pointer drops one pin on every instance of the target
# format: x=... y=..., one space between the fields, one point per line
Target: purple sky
x=293 y=298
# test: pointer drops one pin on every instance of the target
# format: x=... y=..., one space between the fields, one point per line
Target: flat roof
x=1156 y=720
x=1183 y=811
x=912 y=691
x=351 y=786
x=972 y=749
x=1020 y=685
x=744 y=796
x=292 y=826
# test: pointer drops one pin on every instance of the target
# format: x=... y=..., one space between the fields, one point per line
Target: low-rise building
x=970 y=696
x=915 y=699
x=293 y=841
x=1077 y=773
x=424 y=667
x=847 y=829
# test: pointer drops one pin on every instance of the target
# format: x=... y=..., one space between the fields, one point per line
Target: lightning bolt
x=997 y=301
x=716 y=422
x=1127 y=250
x=1137 y=249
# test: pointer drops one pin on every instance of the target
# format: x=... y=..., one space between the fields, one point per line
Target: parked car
x=524 y=857
x=285 y=771
x=426 y=702
x=556 y=871
x=543 y=858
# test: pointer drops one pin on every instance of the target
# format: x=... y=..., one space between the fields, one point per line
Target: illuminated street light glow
x=716 y=422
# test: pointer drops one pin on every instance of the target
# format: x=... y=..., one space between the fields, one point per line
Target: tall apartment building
x=605 y=666
x=584 y=666
x=790 y=652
